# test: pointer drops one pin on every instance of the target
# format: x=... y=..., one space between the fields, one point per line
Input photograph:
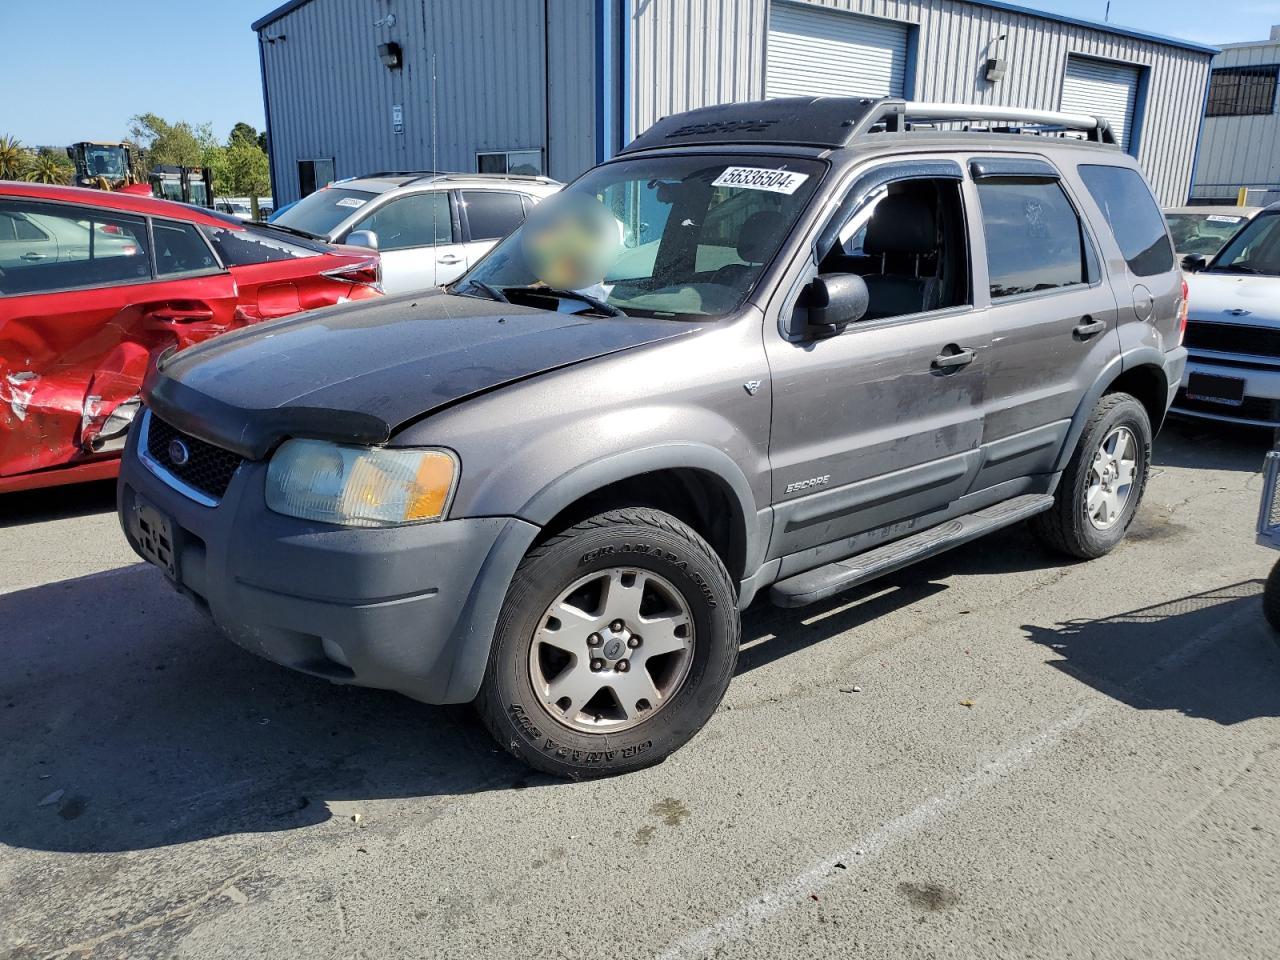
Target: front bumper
x=409 y=608
x=1261 y=406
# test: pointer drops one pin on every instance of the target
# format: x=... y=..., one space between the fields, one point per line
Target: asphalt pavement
x=994 y=754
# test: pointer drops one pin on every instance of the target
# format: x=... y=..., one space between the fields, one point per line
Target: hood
x=1234 y=298
x=356 y=373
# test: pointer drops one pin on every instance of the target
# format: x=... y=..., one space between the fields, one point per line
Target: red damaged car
x=95 y=284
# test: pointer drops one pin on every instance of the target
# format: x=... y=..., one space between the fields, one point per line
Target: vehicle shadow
x=1207 y=444
x=1207 y=655
x=129 y=722
x=53 y=503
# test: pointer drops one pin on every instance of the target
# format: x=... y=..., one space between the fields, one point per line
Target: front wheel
x=1103 y=483
x=615 y=645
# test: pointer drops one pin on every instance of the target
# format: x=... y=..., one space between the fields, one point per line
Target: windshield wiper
x=283 y=229
x=608 y=309
x=493 y=293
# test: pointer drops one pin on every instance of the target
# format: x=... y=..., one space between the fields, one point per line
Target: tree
x=45 y=168
x=242 y=131
x=248 y=170
x=178 y=144
x=14 y=158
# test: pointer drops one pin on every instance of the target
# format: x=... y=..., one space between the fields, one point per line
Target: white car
x=1233 y=330
x=429 y=228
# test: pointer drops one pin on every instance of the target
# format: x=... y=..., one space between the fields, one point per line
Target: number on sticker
x=761 y=178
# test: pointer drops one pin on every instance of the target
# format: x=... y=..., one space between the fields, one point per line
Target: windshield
x=105 y=161
x=1202 y=233
x=320 y=212
x=1255 y=249
x=663 y=236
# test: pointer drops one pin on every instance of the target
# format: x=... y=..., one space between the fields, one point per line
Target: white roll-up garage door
x=1102 y=89
x=817 y=52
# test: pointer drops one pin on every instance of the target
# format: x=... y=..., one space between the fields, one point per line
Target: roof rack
x=421 y=176
x=899 y=115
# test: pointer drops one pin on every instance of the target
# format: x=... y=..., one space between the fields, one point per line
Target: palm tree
x=13 y=158
x=46 y=169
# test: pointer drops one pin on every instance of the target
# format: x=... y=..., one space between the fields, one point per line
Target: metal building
x=553 y=86
x=1240 y=145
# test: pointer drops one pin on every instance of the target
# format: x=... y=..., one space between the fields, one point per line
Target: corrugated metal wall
x=329 y=96
x=1240 y=151
x=690 y=53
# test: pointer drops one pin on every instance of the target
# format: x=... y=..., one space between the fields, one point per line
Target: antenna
x=435 y=170
x=1106 y=18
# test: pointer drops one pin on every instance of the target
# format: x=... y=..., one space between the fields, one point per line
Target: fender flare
x=1144 y=356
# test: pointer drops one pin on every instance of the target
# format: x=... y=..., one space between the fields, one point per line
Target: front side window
x=1135 y=220
x=1035 y=241
x=66 y=248
x=676 y=237
x=1254 y=250
x=417 y=220
x=180 y=249
x=492 y=214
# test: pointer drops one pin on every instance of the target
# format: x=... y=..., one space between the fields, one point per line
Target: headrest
x=902 y=223
x=760 y=235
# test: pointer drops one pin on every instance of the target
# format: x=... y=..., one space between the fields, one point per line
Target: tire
x=637 y=568
x=1068 y=526
x=1271 y=598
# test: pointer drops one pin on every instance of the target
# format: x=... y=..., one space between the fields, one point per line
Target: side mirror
x=1194 y=263
x=363 y=238
x=834 y=300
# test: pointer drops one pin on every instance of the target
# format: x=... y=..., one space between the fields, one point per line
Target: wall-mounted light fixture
x=390 y=55
x=995 y=69
x=279 y=36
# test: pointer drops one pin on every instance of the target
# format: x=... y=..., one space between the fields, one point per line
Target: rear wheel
x=615 y=645
x=1103 y=483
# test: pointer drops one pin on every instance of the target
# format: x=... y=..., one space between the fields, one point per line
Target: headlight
x=360 y=486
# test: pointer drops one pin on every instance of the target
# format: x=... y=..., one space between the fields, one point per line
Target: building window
x=314 y=174
x=1241 y=91
x=521 y=162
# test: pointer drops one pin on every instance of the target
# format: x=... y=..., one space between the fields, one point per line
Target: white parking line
x=756 y=912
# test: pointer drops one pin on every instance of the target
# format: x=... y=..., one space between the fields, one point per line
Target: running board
x=805 y=588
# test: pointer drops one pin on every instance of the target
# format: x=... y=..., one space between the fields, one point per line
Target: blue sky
x=89 y=66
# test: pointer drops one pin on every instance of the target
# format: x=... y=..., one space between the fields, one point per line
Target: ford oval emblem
x=178 y=453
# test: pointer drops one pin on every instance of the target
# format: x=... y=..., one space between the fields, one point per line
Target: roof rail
x=422 y=176
x=897 y=115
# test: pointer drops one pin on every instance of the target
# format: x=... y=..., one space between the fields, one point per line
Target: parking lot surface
x=994 y=754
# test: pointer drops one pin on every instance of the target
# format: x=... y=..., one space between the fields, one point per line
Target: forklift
x=104 y=166
x=184 y=184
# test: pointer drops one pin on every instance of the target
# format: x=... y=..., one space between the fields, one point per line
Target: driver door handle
x=962 y=357
x=449 y=258
x=33 y=256
x=1088 y=327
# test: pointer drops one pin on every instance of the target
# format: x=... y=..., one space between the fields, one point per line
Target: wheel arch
x=1140 y=373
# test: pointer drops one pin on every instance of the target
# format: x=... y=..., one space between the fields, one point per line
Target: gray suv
x=781 y=347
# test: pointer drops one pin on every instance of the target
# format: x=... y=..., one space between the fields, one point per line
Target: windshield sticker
x=1218 y=218
x=352 y=202
x=759 y=178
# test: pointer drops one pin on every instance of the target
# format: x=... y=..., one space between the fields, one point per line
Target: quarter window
x=417 y=220
x=492 y=214
x=1241 y=91
x=66 y=248
x=1135 y=220
x=1035 y=240
x=180 y=249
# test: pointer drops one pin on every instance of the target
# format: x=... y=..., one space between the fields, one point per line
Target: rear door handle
x=1088 y=327
x=183 y=314
x=961 y=357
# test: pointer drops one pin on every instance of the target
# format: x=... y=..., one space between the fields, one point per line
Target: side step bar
x=818 y=584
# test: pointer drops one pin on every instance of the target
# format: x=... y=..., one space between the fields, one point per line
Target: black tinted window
x=1034 y=238
x=491 y=214
x=179 y=249
x=239 y=248
x=1135 y=219
x=64 y=248
x=417 y=220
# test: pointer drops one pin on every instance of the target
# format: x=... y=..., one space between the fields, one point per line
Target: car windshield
x=663 y=237
x=1202 y=233
x=318 y=213
x=1255 y=249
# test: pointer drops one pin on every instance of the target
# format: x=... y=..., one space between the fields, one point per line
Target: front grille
x=1233 y=338
x=1253 y=408
x=208 y=469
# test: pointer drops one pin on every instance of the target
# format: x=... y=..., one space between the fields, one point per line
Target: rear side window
x=180 y=249
x=491 y=213
x=1135 y=219
x=1035 y=241
x=47 y=247
x=241 y=248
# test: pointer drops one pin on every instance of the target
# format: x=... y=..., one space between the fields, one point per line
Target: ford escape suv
x=781 y=347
